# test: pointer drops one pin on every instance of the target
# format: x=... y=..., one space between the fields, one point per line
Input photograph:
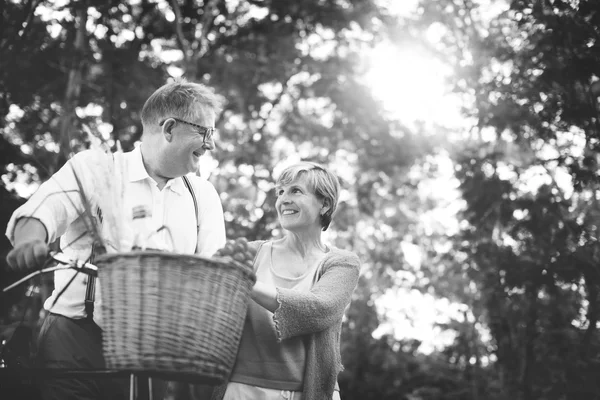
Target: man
x=178 y=124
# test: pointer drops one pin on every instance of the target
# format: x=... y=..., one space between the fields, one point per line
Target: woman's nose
x=282 y=198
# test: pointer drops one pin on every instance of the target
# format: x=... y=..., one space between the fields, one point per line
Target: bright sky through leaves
x=411 y=85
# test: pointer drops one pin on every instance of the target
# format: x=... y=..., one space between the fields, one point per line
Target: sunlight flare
x=412 y=86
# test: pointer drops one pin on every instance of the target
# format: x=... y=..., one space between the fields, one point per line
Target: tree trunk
x=592 y=313
x=68 y=117
x=475 y=376
x=197 y=46
x=527 y=383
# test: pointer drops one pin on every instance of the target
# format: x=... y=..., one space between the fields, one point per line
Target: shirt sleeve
x=301 y=313
x=211 y=235
x=59 y=200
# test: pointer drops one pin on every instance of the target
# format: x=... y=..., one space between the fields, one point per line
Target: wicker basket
x=172 y=315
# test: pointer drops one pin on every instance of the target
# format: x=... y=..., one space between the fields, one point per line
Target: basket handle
x=162 y=228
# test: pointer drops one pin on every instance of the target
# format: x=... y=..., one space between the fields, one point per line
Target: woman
x=290 y=344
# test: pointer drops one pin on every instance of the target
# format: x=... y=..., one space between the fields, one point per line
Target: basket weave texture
x=173 y=314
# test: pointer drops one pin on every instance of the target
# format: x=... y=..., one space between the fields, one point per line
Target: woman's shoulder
x=342 y=256
x=256 y=244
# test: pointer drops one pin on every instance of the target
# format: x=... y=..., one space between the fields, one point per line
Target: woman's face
x=298 y=208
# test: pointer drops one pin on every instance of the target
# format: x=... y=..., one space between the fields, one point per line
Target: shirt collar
x=135 y=166
x=137 y=172
x=176 y=185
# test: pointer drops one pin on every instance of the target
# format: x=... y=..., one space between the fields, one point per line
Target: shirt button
x=85 y=281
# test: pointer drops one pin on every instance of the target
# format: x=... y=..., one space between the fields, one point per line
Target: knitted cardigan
x=317 y=315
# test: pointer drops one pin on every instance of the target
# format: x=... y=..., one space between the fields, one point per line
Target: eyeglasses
x=207 y=133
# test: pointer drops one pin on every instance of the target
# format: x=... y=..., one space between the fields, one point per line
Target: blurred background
x=466 y=134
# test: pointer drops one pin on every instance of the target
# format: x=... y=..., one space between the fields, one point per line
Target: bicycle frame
x=140 y=383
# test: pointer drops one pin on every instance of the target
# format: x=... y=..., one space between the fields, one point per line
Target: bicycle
x=140 y=383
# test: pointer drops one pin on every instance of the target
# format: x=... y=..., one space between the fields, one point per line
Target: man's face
x=187 y=144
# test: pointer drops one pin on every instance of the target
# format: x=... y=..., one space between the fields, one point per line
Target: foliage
x=527 y=249
x=524 y=261
x=291 y=74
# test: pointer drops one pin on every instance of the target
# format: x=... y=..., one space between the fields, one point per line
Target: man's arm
x=49 y=212
x=30 y=245
x=211 y=236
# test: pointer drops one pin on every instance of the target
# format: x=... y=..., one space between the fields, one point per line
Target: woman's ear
x=326 y=206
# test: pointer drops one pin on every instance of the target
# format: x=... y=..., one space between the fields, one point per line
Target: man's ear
x=167 y=127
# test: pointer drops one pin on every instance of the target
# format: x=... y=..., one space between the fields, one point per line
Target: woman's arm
x=265 y=295
x=299 y=313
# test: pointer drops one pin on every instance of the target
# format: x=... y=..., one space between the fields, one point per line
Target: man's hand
x=28 y=255
x=31 y=250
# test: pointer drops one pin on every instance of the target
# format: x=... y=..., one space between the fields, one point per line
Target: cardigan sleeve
x=301 y=313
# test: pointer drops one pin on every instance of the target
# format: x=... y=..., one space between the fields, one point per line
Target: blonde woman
x=290 y=345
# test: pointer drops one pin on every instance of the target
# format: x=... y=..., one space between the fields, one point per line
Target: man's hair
x=179 y=99
x=323 y=183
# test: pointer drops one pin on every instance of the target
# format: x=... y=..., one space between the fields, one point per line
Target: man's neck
x=147 y=158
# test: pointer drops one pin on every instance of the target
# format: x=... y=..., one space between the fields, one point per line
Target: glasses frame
x=207 y=133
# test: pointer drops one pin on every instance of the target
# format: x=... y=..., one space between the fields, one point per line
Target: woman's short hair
x=323 y=183
x=179 y=98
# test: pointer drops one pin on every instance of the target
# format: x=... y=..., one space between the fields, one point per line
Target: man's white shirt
x=58 y=205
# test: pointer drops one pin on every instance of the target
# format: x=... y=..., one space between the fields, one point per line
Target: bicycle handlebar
x=85 y=267
x=63 y=262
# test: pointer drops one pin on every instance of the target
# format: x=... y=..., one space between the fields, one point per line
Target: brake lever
x=60 y=258
x=66 y=263
x=85 y=267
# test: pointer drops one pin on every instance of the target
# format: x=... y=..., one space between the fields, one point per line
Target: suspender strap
x=188 y=185
x=90 y=290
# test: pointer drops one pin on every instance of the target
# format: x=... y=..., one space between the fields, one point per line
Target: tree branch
x=183 y=42
x=30 y=8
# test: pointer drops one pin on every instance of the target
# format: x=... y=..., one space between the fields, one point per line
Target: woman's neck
x=305 y=246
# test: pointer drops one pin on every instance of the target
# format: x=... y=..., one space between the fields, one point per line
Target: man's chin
x=194 y=168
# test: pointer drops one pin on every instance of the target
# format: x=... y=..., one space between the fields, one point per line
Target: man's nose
x=209 y=144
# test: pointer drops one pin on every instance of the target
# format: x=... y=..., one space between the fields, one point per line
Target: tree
x=291 y=74
x=528 y=174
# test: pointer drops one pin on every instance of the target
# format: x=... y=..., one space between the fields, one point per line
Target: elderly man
x=178 y=124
